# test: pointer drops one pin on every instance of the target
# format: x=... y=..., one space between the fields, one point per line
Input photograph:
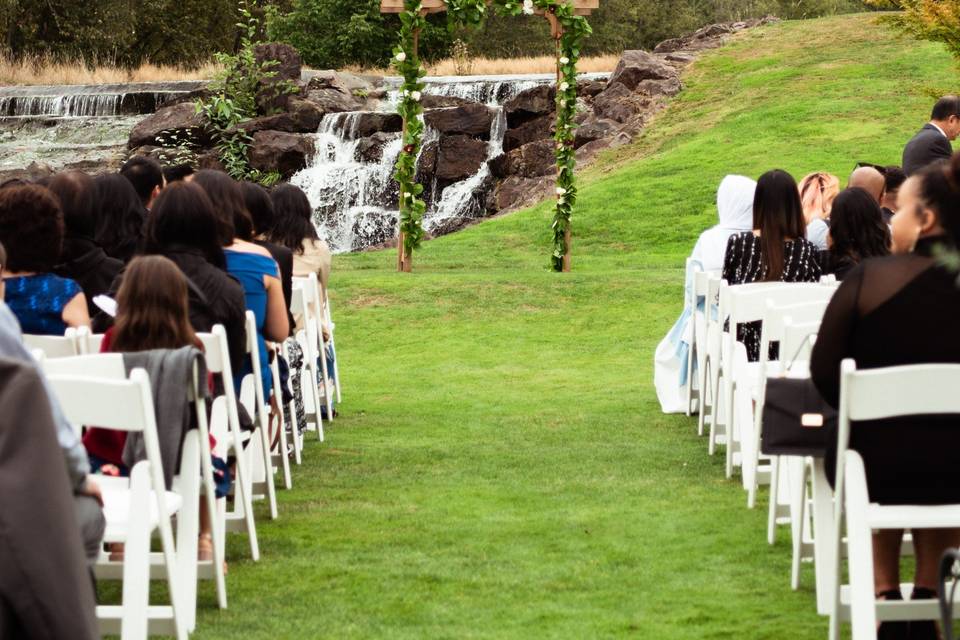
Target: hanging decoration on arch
x=569 y=28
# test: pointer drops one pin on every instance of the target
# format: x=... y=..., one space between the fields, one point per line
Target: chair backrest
x=55 y=346
x=797 y=340
x=701 y=281
x=693 y=267
x=110 y=403
x=798 y=313
x=894 y=392
x=97 y=365
x=748 y=303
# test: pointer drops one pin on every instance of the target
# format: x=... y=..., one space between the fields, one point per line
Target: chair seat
x=116 y=508
x=160 y=620
x=913 y=517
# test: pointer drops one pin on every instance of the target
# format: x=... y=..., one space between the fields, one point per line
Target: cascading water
x=353 y=192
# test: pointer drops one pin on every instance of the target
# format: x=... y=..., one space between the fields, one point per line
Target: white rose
x=528 y=7
x=564 y=60
x=401 y=56
x=564 y=86
x=563 y=103
x=407 y=194
x=416 y=96
x=561 y=191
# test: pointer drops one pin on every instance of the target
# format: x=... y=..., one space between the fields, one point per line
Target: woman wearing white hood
x=735 y=210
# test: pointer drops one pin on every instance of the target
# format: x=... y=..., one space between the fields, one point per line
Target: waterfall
x=90 y=101
x=355 y=197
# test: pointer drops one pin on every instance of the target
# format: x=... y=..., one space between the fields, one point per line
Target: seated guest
x=120 y=217
x=260 y=207
x=735 y=210
x=932 y=142
x=146 y=176
x=178 y=173
x=870 y=180
x=293 y=228
x=183 y=227
x=857 y=232
x=893 y=179
x=817 y=191
x=51 y=524
x=901 y=310
x=776 y=249
x=82 y=259
x=252 y=265
x=31 y=229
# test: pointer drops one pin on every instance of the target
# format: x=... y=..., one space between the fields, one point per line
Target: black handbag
x=796 y=419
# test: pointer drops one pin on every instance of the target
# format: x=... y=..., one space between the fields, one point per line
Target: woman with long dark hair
x=893 y=311
x=293 y=228
x=183 y=228
x=120 y=217
x=249 y=263
x=776 y=249
x=857 y=232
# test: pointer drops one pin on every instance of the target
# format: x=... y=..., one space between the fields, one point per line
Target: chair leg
x=136 y=559
x=731 y=425
x=702 y=380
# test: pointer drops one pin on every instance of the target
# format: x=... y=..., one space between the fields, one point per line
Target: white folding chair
x=225 y=427
x=796 y=310
x=708 y=358
x=252 y=396
x=89 y=342
x=281 y=456
x=328 y=311
x=54 y=346
x=693 y=269
x=880 y=394
x=311 y=341
x=134 y=508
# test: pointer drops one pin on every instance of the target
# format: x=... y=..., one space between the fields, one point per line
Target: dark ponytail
x=778 y=214
x=940 y=192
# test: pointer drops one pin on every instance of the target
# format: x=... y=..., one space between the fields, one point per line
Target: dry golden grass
x=508 y=66
x=42 y=71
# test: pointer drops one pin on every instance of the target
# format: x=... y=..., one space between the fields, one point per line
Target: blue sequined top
x=249 y=269
x=38 y=302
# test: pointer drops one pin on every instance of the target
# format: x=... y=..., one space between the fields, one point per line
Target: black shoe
x=893 y=630
x=923 y=629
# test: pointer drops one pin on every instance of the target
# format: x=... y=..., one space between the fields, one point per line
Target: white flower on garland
x=564 y=60
x=528 y=7
x=415 y=95
x=561 y=191
x=401 y=56
x=407 y=194
x=564 y=86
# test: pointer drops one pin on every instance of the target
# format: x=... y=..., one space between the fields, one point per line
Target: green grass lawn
x=500 y=467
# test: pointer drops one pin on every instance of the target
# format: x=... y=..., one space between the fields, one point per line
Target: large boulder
x=529 y=161
x=459 y=157
x=530 y=104
x=429 y=101
x=367 y=123
x=280 y=151
x=636 y=66
x=178 y=120
x=516 y=192
x=595 y=129
x=302 y=116
x=620 y=104
x=286 y=65
x=371 y=149
x=470 y=120
x=332 y=100
x=590 y=88
x=528 y=132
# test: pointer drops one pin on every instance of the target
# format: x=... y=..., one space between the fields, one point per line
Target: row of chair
x=94 y=389
x=728 y=395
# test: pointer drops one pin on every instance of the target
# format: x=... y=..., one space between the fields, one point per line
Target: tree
x=936 y=20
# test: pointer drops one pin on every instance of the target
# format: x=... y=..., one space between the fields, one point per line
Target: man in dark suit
x=932 y=143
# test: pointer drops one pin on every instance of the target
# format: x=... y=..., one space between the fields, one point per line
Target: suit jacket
x=925 y=148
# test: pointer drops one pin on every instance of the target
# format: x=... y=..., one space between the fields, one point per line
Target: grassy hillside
x=501 y=468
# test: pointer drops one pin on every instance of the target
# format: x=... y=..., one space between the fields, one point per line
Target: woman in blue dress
x=31 y=230
x=252 y=265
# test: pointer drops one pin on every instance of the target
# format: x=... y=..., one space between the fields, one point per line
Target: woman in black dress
x=857 y=232
x=776 y=249
x=901 y=310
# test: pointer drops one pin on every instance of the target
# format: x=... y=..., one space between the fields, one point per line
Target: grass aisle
x=501 y=467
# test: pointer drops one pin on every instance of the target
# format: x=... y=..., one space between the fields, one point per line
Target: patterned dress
x=742 y=265
x=38 y=302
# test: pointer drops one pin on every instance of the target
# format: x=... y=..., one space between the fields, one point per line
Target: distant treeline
x=336 y=33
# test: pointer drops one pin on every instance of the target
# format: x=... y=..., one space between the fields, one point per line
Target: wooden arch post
x=581 y=8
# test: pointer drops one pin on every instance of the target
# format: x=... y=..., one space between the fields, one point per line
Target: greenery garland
x=463 y=13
